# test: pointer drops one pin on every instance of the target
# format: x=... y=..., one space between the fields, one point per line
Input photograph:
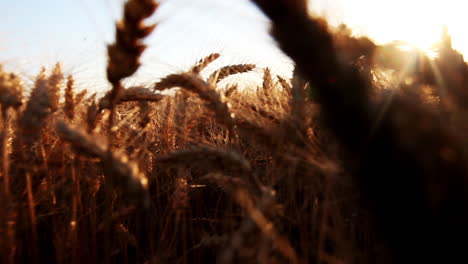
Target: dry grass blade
x=193 y=82
x=200 y=65
x=226 y=71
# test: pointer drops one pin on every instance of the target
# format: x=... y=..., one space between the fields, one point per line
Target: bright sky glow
x=35 y=33
x=418 y=22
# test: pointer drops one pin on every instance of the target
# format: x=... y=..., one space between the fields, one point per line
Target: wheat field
x=343 y=163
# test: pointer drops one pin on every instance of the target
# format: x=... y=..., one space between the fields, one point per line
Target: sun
x=419 y=23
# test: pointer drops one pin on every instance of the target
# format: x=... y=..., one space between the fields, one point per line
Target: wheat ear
x=124 y=54
x=201 y=64
x=55 y=82
x=121 y=172
x=284 y=84
x=69 y=107
x=267 y=80
x=37 y=109
x=214 y=158
x=136 y=93
x=194 y=83
x=11 y=90
x=226 y=71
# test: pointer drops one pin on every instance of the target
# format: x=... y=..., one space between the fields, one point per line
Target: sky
x=37 y=33
x=76 y=32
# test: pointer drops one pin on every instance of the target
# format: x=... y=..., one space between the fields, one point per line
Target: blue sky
x=75 y=32
x=35 y=33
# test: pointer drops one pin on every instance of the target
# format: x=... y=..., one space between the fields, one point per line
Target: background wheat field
x=360 y=157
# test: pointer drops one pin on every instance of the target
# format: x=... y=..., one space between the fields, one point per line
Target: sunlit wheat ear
x=284 y=84
x=194 y=83
x=37 y=109
x=55 y=83
x=69 y=107
x=230 y=91
x=267 y=83
x=136 y=93
x=11 y=90
x=123 y=173
x=200 y=65
x=226 y=71
x=80 y=97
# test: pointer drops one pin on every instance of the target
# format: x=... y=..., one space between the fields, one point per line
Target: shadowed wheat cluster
x=356 y=159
